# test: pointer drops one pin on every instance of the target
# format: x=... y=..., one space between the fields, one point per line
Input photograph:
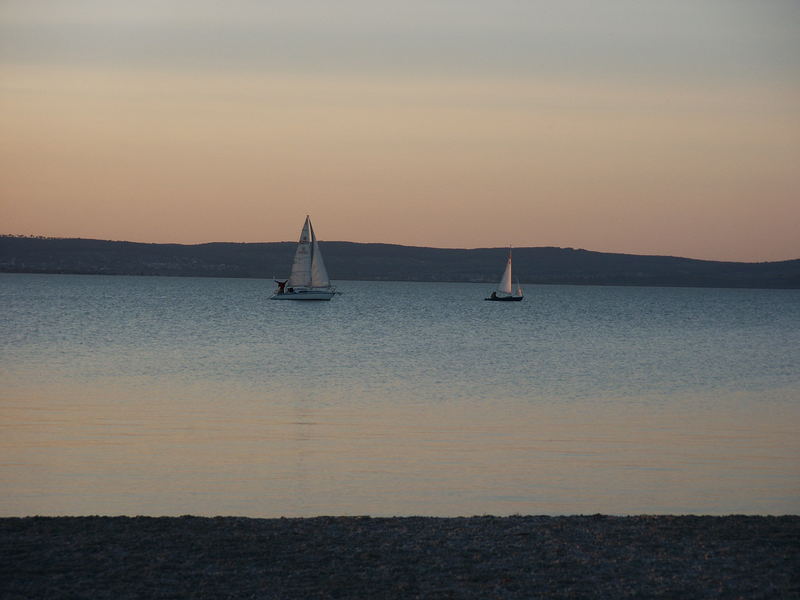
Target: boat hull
x=304 y=295
x=505 y=299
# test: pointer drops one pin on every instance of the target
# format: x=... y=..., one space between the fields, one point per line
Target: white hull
x=304 y=295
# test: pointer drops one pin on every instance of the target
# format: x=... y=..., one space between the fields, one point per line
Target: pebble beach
x=410 y=557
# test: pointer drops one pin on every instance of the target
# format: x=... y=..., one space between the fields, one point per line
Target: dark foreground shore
x=352 y=557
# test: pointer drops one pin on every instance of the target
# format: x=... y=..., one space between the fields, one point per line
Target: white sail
x=309 y=278
x=505 y=281
x=301 y=267
x=504 y=289
x=319 y=274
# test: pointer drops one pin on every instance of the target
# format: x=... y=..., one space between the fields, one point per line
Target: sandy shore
x=354 y=557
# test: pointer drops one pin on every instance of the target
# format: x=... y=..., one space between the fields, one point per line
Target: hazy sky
x=616 y=125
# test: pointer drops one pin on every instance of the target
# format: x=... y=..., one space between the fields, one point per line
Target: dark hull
x=505 y=299
x=304 y=295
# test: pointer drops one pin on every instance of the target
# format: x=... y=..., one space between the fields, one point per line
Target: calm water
x=169 y=396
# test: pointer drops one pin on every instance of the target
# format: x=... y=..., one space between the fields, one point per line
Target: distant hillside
x=347 y=260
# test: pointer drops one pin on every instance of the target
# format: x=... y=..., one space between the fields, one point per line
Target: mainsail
x=505 y=281
x=301 y=267
x=308 y=268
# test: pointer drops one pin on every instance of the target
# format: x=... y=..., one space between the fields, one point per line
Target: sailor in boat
x=281 y=286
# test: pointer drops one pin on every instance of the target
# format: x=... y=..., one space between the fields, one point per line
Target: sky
x=636 y=126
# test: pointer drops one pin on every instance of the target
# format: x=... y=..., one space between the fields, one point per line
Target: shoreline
x=594 y=556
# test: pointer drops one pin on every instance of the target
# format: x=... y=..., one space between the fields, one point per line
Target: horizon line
x=505 y=247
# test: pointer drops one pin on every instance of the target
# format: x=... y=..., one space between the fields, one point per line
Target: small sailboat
x=504 y=292
x=309 y=278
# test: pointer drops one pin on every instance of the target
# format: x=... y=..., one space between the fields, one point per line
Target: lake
x=170 y=396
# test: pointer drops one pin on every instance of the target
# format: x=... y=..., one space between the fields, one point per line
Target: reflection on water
x=172 y=396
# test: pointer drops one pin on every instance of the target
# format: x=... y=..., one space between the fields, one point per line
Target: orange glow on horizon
x=697 y=171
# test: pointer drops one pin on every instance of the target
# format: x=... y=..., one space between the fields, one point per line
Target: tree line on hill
x=388 y=262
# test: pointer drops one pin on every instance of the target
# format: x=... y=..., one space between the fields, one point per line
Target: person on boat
x=281 y=285
x=494 y=295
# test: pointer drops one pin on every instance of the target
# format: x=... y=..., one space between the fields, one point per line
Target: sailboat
x=309 y=278
x=504 y=292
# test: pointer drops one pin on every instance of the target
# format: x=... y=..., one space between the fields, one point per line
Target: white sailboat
x=309 y=278
x=504 y=291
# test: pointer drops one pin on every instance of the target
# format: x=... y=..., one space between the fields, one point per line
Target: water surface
x=168 y=396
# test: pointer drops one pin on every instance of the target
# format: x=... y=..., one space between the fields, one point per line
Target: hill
x=356 y=261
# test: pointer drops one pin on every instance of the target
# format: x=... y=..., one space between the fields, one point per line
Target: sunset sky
x=635 y=126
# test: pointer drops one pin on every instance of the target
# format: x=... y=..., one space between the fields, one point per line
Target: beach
x=410 y=557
